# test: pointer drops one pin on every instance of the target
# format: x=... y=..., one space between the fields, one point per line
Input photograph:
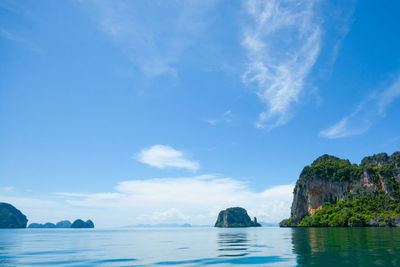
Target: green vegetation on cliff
x=338 y=193
x=332 y=168
x=372 y=209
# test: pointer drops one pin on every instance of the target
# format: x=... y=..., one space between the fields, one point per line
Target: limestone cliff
x=330 y=179
x=235 y=217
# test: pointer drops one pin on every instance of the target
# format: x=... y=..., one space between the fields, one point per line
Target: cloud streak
x=153 y=36
x=161 y=156
x=282 y=45
x=226 y=118
x=371 y=109
x=19 y=39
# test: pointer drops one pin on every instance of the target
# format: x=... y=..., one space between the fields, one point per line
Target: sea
x=201 y=246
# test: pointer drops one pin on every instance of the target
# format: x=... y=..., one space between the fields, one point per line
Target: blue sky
x=140 y=107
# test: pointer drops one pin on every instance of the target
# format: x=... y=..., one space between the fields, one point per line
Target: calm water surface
x=201 y=246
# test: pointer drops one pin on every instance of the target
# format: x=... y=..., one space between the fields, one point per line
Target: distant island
x=64 y=224
x=334 y=192
x=11 y=217
x=81 y=224
x=331 y=192
x=235 y=217
x=61 y=224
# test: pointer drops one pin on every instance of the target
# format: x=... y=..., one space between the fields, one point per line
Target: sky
x=130 y=112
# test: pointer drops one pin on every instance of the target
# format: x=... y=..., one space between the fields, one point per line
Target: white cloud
x=7 y=188
x=226 y=117
x=195 y=200
x=170 y=215
x=345 y=128
x=39 y=209
x=212 y=121
x=282 y=46
x=153 y=36
x=388 y=96
x=372 y=108
x=161 y=156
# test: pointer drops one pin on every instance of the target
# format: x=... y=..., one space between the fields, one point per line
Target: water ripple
x=242 y=260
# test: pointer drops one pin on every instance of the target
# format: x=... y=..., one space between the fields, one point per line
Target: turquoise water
x=201 y=246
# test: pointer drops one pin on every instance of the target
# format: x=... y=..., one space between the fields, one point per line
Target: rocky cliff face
x=235 y=217
x=330 y=179
x=10 y=217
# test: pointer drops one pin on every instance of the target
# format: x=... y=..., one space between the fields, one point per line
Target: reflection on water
x=146 y=247
x=201 y=246
x=6 y=241
x=233 y=244
x=347 y=246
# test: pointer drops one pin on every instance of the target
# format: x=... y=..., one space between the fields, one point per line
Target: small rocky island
x=61 y=224
x=64 y=224
x=42 y=225
x=235 y=217
x=81 y=224
x=334 y=192
x=11 y=217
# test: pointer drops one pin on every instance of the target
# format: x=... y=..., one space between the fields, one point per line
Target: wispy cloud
x=153 y=35
x=226 y=117
x=282 y=44
x=169 y=215
x=39 y=209
x=337 y=22
x=7 y=188
x=162 y=156
x=371 y=109
x=20 y=39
